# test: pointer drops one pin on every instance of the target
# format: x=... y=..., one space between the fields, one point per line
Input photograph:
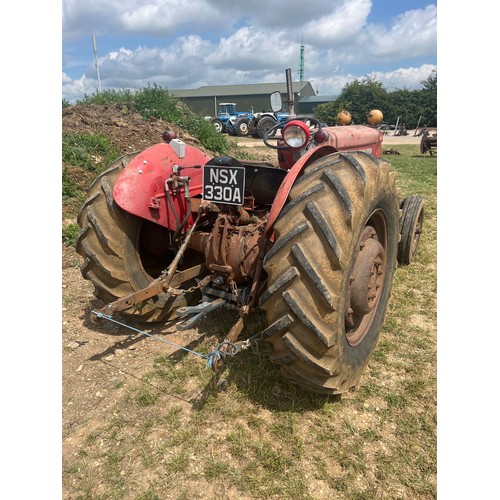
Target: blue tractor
x=230 y=120
x=244 y=123
x=257 y=125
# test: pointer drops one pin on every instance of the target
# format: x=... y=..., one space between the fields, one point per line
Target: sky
x=178 y=44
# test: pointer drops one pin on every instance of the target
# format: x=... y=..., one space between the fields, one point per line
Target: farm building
x=250 y=97
x=306 y=104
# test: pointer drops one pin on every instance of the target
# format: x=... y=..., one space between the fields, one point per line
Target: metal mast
x=94 y=46
x=301 y=62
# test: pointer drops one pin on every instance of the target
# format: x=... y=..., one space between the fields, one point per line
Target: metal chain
x=234 y=290
x=181 y=291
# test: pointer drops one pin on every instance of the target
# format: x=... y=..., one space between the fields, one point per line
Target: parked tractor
x=313 y=240
x=230 y=120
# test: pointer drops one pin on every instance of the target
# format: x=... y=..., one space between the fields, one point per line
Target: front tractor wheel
x=330 y=270
x=123 y=253
x=412 y=221
x=242 y=126
x=218 y=125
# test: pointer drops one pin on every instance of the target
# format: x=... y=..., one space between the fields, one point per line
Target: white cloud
x=340 y=26
x=166 y=17
x=171 y=17
x=409 y=78
x=117 y=55
x=253 y=49
x=413 y=34
x=258 y=45
x=292 y=14
x=73 y=89
x=92 y=16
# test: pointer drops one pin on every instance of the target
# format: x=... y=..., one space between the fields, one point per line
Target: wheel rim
x=367 y=278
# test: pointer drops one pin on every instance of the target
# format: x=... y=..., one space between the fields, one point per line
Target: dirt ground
x=95 y=358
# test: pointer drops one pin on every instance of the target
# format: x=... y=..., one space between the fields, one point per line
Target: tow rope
x=214 y=358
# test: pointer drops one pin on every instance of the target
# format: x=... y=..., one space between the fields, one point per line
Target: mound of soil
x=127 y=130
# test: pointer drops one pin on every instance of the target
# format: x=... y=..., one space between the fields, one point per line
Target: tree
x=364 y=96
x=357 y=97
x=360 y=97
x=405 y=104
x=428 y=100
x=431 y=83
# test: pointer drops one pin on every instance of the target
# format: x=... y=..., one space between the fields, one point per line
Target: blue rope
x=211 y=358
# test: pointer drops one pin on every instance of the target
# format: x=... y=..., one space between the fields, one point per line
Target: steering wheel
x=316 y=126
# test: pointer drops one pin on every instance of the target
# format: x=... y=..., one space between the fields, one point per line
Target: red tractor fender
x=288 y=181
x=140 y=188
x=348 y=138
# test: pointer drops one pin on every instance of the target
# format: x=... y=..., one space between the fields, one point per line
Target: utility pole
x=289 y=92
x=94 y=45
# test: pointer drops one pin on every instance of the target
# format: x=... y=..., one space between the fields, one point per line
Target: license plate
x=224 y=184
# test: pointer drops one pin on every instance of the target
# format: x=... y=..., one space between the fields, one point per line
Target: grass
x=175 y=435
x=84 y=157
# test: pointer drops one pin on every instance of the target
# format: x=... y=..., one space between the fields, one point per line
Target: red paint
x=140 y=188
x=348 y=138
x=354 y=138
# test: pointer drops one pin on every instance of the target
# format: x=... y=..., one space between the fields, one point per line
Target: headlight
x=296 y=134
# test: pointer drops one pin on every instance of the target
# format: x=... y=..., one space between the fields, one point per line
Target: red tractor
x=314 y=241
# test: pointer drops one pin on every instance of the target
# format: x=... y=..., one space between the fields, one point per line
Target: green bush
x=69 y=188
x=69 y=234
x=90 y=152
x=154 y=101
x=93 y=152
x=204 y=131
x=123 y=96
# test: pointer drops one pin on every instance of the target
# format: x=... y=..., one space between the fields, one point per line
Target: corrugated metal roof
x=319 y=98
x=246 y=89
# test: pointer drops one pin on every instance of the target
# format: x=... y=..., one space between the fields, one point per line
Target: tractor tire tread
x=308 y=266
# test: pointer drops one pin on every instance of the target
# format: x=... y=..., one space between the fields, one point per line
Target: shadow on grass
x=249 y=372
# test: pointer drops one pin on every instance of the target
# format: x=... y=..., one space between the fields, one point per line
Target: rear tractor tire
x=412 y=220
x=123 y=253
x=330 y=270
x=265 y=124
